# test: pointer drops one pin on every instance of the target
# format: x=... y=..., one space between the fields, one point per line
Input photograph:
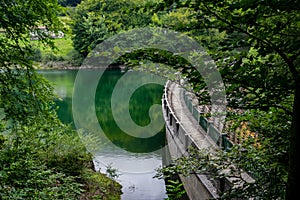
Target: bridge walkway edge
x=197 y=186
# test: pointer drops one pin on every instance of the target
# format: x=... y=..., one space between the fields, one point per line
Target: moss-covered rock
x=99 y=186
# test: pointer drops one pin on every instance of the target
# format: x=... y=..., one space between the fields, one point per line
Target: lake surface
x=134 y=155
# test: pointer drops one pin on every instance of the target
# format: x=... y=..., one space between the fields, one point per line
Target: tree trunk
x=292 y=189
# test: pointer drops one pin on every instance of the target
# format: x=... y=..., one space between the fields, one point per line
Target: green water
x=135 y=158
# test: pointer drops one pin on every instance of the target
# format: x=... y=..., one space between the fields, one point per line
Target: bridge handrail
x=220 y=139
x=181 y=134
x=174 y=126
x=167 y=105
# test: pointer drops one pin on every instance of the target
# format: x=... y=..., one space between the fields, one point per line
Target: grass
x=63 y=47
x=64 y=54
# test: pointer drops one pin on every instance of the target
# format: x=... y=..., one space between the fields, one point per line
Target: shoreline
x=61 y=66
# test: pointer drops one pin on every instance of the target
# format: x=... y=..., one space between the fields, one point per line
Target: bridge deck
x=181 y=111
x=182 y=131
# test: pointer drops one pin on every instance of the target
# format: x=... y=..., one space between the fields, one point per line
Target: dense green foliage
x=40 y=158
x=64 y=54
x=255 y=45
x=256 y=50
x=69 y=2
x=97 y=20
x=266 y=164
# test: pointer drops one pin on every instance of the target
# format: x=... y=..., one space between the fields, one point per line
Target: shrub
x=23 y=176
x=74 y=58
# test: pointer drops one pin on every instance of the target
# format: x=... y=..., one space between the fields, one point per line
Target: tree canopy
x=258 y=57
x=69 y=2
x=95 y=21
x=40 y=158
x=255 y=45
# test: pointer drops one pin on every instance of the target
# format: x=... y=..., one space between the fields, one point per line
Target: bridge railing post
x=174 y=124
x=214 y=134
x=177 y=127
x=226 y=143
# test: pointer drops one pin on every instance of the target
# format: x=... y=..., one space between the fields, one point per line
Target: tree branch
x=266 y=42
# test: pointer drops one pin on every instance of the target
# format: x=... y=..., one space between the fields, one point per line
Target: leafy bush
x=47 y=57
x=23 y=176
x=46 y=160
x=74 y=58
x=175 y=190
x=68 y=155
x=69 y=2
x=36 y=55
x=29 y=127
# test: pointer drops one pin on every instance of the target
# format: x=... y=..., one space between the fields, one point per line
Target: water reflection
x=124 y=152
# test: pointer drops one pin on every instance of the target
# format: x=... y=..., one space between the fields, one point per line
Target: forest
x=255 y=45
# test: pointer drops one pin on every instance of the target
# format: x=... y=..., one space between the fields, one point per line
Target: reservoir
x=130 y=158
